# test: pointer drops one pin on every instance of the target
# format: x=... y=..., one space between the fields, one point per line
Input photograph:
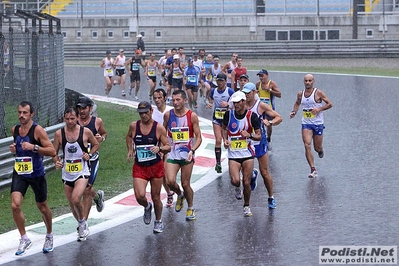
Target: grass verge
x=114 y=174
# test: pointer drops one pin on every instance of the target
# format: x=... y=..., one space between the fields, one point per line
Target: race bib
x=151 y=72
x=308 y=113
x=109 y=71
x=209 y=77
x=74 y=166
x=176 y=74
x=144 y=153
x=180 y=134
x=192 y=78
x=135 y=67
x=238 y=143
x=23 y=165
x=265 y=100
x=219 y=112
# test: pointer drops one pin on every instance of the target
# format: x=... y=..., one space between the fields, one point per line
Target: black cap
x=143 y=107
x=221 y=76
x=195 y=53
x=263 y=71
x=244 y=76
x=84 y=102
x=108 y=52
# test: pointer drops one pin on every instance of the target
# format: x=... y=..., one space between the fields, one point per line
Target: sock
x=218 y=154
x=272 y=197
x=24 y=237
x=49 y=235
x=148 y=206
x=268 y=139
x=170 y=193
x=158 y=221
x=181 y=195
x=312 y=169
x=81 y=221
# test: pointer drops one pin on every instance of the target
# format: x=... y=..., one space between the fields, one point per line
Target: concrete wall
x=188 y=29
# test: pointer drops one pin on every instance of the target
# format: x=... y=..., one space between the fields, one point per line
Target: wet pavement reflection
x=353 y=201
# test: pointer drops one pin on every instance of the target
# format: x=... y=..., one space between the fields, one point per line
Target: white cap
x=176 y=56
x=238 y=96
x=139 y=36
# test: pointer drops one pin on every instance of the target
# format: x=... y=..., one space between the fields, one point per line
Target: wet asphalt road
x=353 y=201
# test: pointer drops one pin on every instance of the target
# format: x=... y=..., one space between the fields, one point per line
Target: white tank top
x=108 y=71
x=74 y=165
x=309 y=103
x=120 y=60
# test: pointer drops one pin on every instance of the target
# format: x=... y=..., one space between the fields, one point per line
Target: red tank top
x=239 y=72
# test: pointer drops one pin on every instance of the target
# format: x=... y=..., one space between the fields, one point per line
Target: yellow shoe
x=179 y=203
x=191 y=215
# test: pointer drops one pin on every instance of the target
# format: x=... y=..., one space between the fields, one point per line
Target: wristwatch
x=36 y=148
x=270 y=123
x=160 y=148
x=193 y=151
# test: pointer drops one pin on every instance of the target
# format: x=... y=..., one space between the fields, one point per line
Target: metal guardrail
x=250 y=49
x=7 y=158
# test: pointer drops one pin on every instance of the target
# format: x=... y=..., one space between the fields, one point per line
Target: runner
x=119 y=64
x=267 y=117
x=229 y=67
x=184 y=135
x=177 y=73
x=152 y=69
x=311 y=99
x=268 y=91
x=191 y=78
x=239 y=127
x=236 y=73
x=96 y=125
x=145 y=140
x=219 y=98
x=30 y=144
x=74 y=141
x=108 y=65
x=134 y=71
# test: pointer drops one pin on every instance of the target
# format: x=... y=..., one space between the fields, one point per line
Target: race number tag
x=135 y=67
x=265 y=100
x=23 y=165
x=151 y=72
x=144 y=153
x=192 y=78
x=180 y=134
x=238 y=143
x=74 y=166
x=219 y=112
x=109 y=71
x=307 y=113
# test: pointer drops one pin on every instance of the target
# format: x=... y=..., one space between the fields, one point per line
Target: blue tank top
x=35 y=157
x=91 y=125
x=192 y=74
x=143 y=143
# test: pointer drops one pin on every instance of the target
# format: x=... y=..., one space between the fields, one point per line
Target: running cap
x=195 y=54
x=121 y=50
x=190 y=59
x=221 y=76
x=108 y=52
x=248 y=87
x=176 y=56
x=238 y=96
x=143 y=107
x=244 y=76
x=263 y=71
x=84 y=102
x=139 y=36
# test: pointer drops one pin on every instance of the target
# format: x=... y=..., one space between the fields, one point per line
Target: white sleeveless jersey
x=255 y=109
x=74 y=165
x=309 y=103
x=108 y=71
x=158 y=116
x=120 y=60
x=232 y=67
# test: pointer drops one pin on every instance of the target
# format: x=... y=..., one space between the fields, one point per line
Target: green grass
x=114 y=175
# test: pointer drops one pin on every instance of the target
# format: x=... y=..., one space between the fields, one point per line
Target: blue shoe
x=24 y=244
x=254 y=179
x=271 y=203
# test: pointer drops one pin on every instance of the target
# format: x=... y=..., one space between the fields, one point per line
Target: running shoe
x=218 y=168
x=48 y=244
x=269 y=145
x=312 y=174
x=271 y=202
x=106 y=92
x=123 y=94
x=179 y=203
x=100 y=201
x=195 y=104
x=247 y=211
x=169 y=201
x=147 y=214
x=137 y=98
x=191 y=215
x=83 y=231
x=321 y=154
x=254 y=179
x=238 y=193
x=24 y=244
x=160 y=83
x=130 y=91
x=158 y=227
